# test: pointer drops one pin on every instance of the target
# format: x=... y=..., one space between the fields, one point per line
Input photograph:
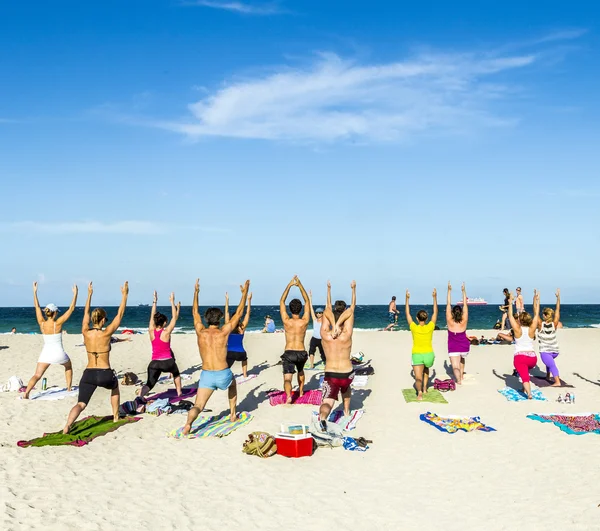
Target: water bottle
x=44 y=384
x=573 y=398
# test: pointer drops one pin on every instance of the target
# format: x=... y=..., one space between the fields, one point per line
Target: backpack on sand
x=261 y=444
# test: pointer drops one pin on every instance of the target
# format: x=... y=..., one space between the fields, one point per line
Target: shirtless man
x=212 y=343
x=295 y=355
x=519 y=303
x=338 y=344
x=392 y=314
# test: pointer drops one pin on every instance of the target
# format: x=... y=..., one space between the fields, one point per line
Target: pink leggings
x=523 y=363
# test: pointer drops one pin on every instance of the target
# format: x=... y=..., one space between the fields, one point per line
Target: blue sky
x=398 y=144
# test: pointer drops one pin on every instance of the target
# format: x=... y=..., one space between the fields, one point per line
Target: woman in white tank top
x=525 y=327
x=53 y=352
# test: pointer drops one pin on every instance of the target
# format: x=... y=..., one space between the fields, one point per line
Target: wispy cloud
x=237 y=7
x=98 y=227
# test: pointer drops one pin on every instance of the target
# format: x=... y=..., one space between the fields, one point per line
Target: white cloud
x=98 y=227
x=237 y=7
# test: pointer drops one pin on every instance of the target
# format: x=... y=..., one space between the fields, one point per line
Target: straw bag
x=261 y=444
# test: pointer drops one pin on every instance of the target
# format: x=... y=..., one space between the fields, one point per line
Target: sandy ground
x=527 y=475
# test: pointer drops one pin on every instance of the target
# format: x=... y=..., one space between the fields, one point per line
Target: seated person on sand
x=212 y=344
x=53 y=352
x=98 y=372
x=269 y=325
x=235 y=342
x=163 y=359
x=422 y=351
x=295 y=356
x=336 y=333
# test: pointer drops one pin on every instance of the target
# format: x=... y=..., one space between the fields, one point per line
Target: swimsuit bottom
x=215 y=379
x=294 y=360
x=335 y=383
x=424 y=359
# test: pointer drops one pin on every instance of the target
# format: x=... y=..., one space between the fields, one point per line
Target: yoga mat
x=171 y=394
x=452 y=423
x=240 y=379
x=212 y=427
x=82 y=432
x=313 y=397
x=55 y=394
x=337 y=417
x=433 y=396
x=572 y=424
x=542 y=382
x=512 y=395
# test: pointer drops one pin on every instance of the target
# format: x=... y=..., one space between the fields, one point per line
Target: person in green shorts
x=422 y=351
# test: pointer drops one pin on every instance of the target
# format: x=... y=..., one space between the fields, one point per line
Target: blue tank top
x=235 y=343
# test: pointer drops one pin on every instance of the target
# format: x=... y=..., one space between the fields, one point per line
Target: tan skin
x=519 y=329
x=421 y=372
x=556 y=320
x=212 y=344
x=165 y=335
x=392 y=309
x=458 y=362
x=97 y=345
x=317 y=321
x=48 y=326
x=337 y=342
x=241 y=326
x=295 y=332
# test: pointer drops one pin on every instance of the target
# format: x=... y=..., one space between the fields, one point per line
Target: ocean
x=371 y=317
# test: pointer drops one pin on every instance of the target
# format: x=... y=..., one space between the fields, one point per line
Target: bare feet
x=25 y=396
x=346 y=413
x=288 y=400
x=555 y=384
x=419 y=397
x=116 y=418
x=66 y=429
x=233 y=417
x=529 y=397
x=186 y=429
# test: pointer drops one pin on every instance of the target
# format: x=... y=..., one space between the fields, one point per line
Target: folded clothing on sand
x=572 y=424
x=82 y=432
x=313 y=397
x=57 y=393
x=512 y=395
x=212 y=427
x=452 y=424
x=14 y=384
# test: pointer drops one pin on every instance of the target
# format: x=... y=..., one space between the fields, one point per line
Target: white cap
x=51 y=307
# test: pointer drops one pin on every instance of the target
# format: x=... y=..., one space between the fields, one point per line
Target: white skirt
x=53 y=351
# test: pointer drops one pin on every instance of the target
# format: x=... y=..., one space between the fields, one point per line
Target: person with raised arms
x=295 y=356
x=98 y=372
x=337 y=327
x=457 y=319
x=212 y=345
x=315 y=340
x=235 y=342
x=547 y=341
x=524 y=327
x=53 y=352
x=163 y=359
x=422 y=351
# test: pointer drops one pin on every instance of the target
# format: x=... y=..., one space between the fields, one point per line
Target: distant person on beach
x=519 y=304
x=504 y=308
x=457 y=319
x=98 y=372
x=392 y=314
x=235 y=341
x=336 y=333
x=14 y=330
x=525 y=327
x=212 y=344
x=269 y=325
x=295 y=356
x=315 y=340
x=163 y=359
x=422 y=351
x=53 y=352
x=548 y=343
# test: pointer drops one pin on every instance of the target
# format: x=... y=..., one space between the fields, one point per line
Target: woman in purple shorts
x=457 y=319
x=547 y=341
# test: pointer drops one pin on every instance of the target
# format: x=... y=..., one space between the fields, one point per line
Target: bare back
x=212 y=343
x=392 y=307
x=455 y=327
x=295 y=332
x=50 y=327
x=337 y=351
x=97 y=345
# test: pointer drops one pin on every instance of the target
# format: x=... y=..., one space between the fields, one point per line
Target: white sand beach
x=526 y=475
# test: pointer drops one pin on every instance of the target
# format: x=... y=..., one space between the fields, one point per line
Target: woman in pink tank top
x=163 y=359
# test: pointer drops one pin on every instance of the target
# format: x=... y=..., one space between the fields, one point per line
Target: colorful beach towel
x=82 y=432
x=240 y=379
x=171 y=395
x=542 y=382
x=452 y=424
x=433 y=396
x=57 y=393
x=313 y=397
x=512 y=395
x=346 y=423
x=212 y=427
x=572 y=424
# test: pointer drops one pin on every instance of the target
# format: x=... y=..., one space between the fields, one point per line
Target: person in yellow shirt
x=422 y=351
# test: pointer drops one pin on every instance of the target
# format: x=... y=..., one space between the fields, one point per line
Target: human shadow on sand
x=257 y=369
x=253 y=399
x=432 y=376
x=585 y=379
x=509 y=380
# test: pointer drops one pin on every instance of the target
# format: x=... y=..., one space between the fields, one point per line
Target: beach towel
x=346 y=423
x=171 y=395
x=512 y=395
x=452 y=424
x=55 y=393
x=542 y=382
x=351 y=444
x=313 y=397
x=319 y=366
x=212 y=427
x=240 y=379
x=572 y=424
x=158 y=407
x=82 y=432
x=433 y=396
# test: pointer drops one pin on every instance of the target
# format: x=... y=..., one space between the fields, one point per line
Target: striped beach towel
x=212 y=427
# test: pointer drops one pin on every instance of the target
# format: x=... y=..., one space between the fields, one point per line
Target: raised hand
x=249 y=296
x=463 y=288
x=328 y=284
x=227 y=296
x=75 y=289
x=407 y=295
x=125 y=288
x=197 y=285
x=295 y=280
x=172 y=297
x=90 y=289
x=557 y=293
x=35 y=287
x=155 y=298
x=178 y=306
x=449 y=286
x=353 y=284
x=246 y=285
x=434 y=294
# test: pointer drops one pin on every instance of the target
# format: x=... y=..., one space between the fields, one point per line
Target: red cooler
x=294 y=444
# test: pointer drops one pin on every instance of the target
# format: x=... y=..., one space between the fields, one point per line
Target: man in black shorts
x=295 y=355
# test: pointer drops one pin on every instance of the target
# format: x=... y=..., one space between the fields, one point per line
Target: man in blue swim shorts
x=212 y=343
